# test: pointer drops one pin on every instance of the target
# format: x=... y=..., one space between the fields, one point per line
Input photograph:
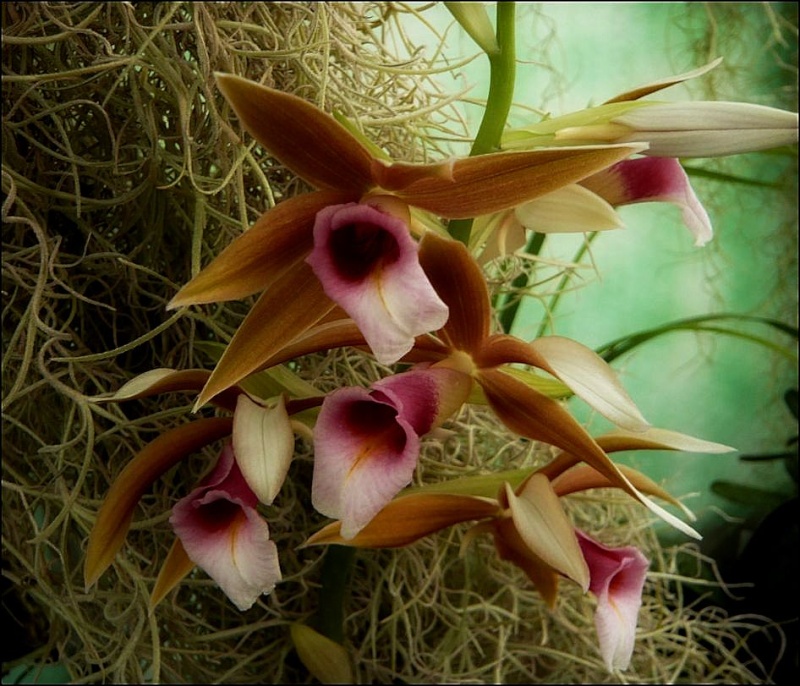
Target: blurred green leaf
x=620 y=346
x=748 y=495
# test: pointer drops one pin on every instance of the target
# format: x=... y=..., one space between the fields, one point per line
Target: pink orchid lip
x=368 y=264
x=365 y=453
x=367 y=441
x=617 y=577
x=653 y=179
x=222 y=533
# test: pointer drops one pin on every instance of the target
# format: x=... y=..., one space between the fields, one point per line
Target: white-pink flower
x=616 y=578
x=222 y=533
x=367 y=441
x=367 y=263
x=653 y=179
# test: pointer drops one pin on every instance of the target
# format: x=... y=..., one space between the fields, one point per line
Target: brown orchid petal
x=307 y=140
x=165 y=380
x=558 y=465
x=546 y=530
x=280 y=238
x=161 y=380
x=324 y=336
x=583 y=477
x=399 y=175
x=512 y=548
x=291 y=306
x=656 y=86
x=408 y=518
x=580 y=368
x=173 y=571
x=491 y=183
x=459 y=282
x=659 y=439
x=114 y=517
x=531 y=414
x=651 y=439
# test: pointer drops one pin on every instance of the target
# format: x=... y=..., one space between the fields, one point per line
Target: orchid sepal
x=295 y=303
x=408 y=518
x=544 y=527
x=523 y=411
x=174 y=569
x=304 y=138
x=263 y=442
x=570 y=209
x=582 y=370
x=280 y=239
x=660 y=84
x=474 y=19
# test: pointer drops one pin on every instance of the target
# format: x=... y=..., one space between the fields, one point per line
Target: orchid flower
x=531 y=530
x=589 y=205
x=221 y=511
x=366 y=442
x=616 y=578
x=222 y=532
x=671 y=129
x=314 y=244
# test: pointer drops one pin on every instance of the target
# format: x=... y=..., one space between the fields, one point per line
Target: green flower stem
x=329 y=620
x=502 y=73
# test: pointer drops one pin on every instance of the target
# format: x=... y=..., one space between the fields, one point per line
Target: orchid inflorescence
x=365 y=259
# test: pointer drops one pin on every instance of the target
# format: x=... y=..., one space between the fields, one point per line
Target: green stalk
x=329 y=620
x=502 y=73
